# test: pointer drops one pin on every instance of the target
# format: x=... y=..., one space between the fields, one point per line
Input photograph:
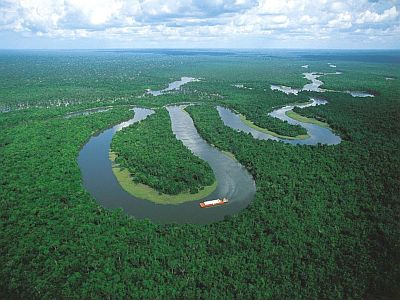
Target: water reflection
x=234 y=181
x=359 y=94
x=318 y=134
x=173 y=86
x=314 y=85
x=284 y=89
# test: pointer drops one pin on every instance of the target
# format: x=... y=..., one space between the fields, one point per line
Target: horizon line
x=205 y=48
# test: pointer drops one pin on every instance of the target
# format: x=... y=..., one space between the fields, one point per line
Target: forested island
x=154 y=157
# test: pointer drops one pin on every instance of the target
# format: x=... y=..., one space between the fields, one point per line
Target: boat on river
x=211 y=203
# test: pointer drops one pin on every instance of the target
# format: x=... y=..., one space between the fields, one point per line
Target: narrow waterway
x=176 y=85
x=318 y=134
x=360 y=94
x=315 y=86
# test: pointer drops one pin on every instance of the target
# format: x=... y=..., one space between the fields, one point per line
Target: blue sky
x=199 y=24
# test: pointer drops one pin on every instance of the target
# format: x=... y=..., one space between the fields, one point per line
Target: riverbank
x=300 y=118
x=254 y=126
x=143 y=191
x=229 y=154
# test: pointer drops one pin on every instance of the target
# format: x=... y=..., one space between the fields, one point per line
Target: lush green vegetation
x=337 y=220
x=274 y=133
x=143 y=191
x=263 y=122
x=295 y=116
x=154 y=157
x=324 y=222
x=64 y=78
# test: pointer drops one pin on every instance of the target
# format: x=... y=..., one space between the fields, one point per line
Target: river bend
x=233 y=180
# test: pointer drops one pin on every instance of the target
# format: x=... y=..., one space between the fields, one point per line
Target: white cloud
x=196 y=20
x=276 y=6
x=342 y=21
x=308 y=20
x=338 y=7
x=281 y=19
x=96 y=11
x=41 y=14
x=373 y=17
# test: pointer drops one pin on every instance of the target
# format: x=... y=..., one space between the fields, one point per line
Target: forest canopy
x=153 y=156
x=324 y=223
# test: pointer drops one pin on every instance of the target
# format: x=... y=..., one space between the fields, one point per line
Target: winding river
x=314 y=86
x=233 y=180
x=317 y=134
x=176 y=85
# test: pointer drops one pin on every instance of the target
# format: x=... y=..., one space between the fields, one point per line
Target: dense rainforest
x=153 y=156
x=323 y=224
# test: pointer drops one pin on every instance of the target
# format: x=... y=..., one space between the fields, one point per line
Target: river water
x=234 y=181
x=360 y=94
x=176 y=85
x=318 y=134
x=314 y=86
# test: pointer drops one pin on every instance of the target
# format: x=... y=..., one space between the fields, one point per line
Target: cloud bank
x=203 y=23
